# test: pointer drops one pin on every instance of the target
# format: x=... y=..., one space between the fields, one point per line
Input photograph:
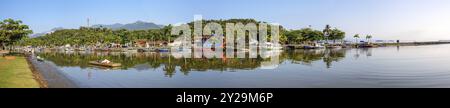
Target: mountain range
x=46 y=32
x=138 y=25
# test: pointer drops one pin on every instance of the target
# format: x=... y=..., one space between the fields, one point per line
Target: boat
x=314 y=46
x=142 y=50
x=80 y=49
x=317 y=46
x=244 y=49
x=334 y=47
x=367 y=45
x=39 y=58
x=130 y=50
x=272 y=46
x=105 y=64
x=163 y=50
x=68 y=49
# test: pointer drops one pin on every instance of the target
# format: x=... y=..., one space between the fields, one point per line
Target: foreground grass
x=15 y=73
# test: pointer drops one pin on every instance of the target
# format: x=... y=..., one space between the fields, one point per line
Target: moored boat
x=367 y=45
x=334 y=47
x=105 y=64
x=163 y=50
x=313 y=47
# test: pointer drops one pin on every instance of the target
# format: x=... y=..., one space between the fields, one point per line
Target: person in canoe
x=106 y=61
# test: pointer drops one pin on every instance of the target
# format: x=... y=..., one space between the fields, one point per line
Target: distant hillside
x=138 y=25
x=46 y=32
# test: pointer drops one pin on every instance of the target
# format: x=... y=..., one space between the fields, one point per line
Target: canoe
x=105 y=64
x=39 y=58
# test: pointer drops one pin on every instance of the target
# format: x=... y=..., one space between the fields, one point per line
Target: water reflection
x=412 y=66
x=367 y=52
x=174 y=62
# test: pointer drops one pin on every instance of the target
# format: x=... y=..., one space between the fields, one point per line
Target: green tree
x=304 y=35
x=356 y=36
x=336 y=34
x=12 y=31
x=165 y=31
x=294 y=36
x=312 y=35
x=368 y=37
x=327 y=32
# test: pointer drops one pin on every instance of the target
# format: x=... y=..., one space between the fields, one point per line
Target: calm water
x=406 y=66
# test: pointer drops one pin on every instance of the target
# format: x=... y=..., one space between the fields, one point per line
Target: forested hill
x=104 y=35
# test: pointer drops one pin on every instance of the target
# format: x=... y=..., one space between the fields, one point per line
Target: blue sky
x=384 y=19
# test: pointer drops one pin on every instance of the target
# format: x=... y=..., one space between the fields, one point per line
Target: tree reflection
x=169 y=64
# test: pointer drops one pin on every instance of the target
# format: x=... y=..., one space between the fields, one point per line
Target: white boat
x=68 y=49
x=81 y=49
x=272 y=46
x=316 y=46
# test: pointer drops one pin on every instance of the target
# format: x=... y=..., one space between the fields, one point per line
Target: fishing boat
x=105 y=64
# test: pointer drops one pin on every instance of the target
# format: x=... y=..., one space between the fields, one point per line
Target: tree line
x=13 y=32
x=309 y=35
x=86 y=36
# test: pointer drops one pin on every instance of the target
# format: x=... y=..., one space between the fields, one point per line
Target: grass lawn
x=15 y=73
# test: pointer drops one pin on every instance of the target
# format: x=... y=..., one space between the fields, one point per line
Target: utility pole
x=88 y=22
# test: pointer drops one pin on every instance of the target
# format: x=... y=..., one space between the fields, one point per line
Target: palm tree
x=368 y=37
x=326 y=32
x=356 y=37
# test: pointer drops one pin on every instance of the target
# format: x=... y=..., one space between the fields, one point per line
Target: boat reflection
x=172 y=62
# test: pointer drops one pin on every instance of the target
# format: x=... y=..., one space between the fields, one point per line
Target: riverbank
x=15 y=72
x=54 y=78
x=37 y=74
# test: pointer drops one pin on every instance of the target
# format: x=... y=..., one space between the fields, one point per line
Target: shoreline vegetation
x=15 y=37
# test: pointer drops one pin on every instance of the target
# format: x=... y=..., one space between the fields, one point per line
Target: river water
x=404 y=66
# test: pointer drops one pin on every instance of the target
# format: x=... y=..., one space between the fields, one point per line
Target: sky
x=384 y=19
